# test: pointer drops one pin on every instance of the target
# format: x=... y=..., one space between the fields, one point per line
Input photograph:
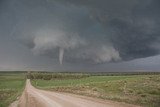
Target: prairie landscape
x=79 y=53
x=138 y=89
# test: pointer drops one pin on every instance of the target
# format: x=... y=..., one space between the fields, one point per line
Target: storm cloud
x=83 y=31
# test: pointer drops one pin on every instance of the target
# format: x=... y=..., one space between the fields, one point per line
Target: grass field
x=11 y=86
x=135 y=89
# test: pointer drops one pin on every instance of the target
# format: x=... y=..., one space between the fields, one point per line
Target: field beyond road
x=141 y=90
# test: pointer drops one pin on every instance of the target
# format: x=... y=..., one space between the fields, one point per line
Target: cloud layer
x=84 y=31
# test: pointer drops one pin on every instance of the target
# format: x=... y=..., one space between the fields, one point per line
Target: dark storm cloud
x=83 y=31
x=131 y=26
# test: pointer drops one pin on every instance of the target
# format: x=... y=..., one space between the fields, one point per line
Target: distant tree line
x=56 y=76
x=71 y=75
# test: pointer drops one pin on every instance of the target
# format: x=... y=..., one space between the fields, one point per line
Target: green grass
x=137 y=89
x=11 y=86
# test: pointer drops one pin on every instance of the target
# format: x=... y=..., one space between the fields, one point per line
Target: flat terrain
x=33 y=97
x=11 y=86
x=141 y=90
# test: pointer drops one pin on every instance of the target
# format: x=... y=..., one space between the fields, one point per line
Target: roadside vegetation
x=142 y=89
x=11 y=86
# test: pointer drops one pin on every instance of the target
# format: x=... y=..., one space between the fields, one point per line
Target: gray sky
x=79 y=35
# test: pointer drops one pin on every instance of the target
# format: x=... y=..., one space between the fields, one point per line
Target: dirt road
x=33 y=97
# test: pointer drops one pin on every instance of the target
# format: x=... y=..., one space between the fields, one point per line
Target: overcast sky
x=80 y=35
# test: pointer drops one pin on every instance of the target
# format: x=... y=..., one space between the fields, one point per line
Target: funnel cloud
x=61 y=53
